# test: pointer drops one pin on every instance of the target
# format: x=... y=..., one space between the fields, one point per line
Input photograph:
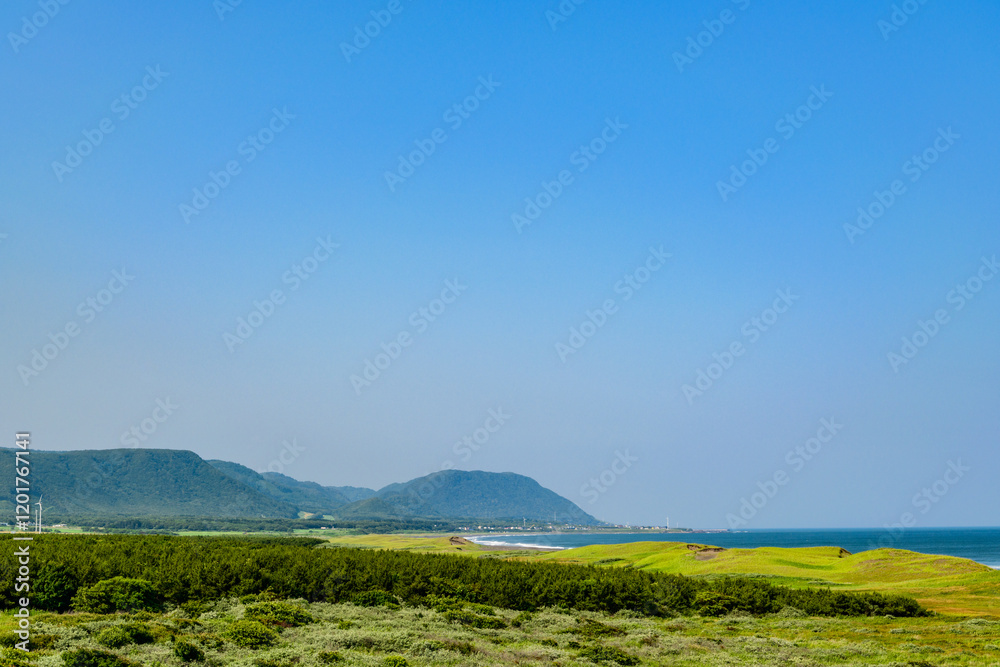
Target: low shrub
x=250 y=634
x=330 y=657
x=124 y=634
x=187 y=652
x=117 y=594
x=522 y=618
x=8 y=660
x=609 y=654
x=590 y=629
x=194 y=608
x=396 y=661
x=465 y=648
x=54 y=588
x=791 y=612
x=713 y=603
x=279 y=613
x=36 y=642
x=88 y=657
x=375 y=598
x=466 y=617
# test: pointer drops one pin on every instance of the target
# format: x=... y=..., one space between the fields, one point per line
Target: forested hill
x=488 y=495
x=170 y=483
x=306 y=496
x=138 y=482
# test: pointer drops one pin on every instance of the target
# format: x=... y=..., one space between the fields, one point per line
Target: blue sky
x=672 y=130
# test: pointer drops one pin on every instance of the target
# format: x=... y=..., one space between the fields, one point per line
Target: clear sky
x=652 y=176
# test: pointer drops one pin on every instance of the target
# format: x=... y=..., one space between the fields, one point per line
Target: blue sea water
x=979 y=544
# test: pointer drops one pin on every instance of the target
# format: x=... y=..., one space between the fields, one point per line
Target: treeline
x=184 y=570
x=173 y=523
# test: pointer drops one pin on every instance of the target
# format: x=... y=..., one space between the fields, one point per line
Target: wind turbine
x=38 y=528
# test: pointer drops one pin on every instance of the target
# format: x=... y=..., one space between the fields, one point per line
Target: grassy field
x=941 y=583
x=966 y=631
x=350 y=635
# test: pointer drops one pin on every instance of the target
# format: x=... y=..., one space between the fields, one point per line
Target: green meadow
x=941 y=583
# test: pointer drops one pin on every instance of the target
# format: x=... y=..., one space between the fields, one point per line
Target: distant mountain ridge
x=139 y=482
x=164 y=483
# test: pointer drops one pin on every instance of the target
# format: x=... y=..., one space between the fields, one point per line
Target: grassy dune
x=421 y=543
x=942 y=583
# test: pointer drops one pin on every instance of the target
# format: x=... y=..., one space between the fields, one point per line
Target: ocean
x=979 y=544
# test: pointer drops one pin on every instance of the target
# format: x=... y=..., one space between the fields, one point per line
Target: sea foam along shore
x=484 y=541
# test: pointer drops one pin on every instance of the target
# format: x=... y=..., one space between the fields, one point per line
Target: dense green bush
x=188 y=652
x=330 y=657
x=117 y=594
x=590 y=629
x=124 y=634
x=375 y=599
x=14 y=661
x=250 y=634
x=466 y=617
x=714 y=603
x=37 y=641
x=279 y=613
x=54 y=588
x=609 y=654
x=87 y=657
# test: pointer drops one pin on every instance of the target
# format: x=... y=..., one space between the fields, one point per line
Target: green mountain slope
x=459 y=494
x=138 y=482
x=306 y=496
